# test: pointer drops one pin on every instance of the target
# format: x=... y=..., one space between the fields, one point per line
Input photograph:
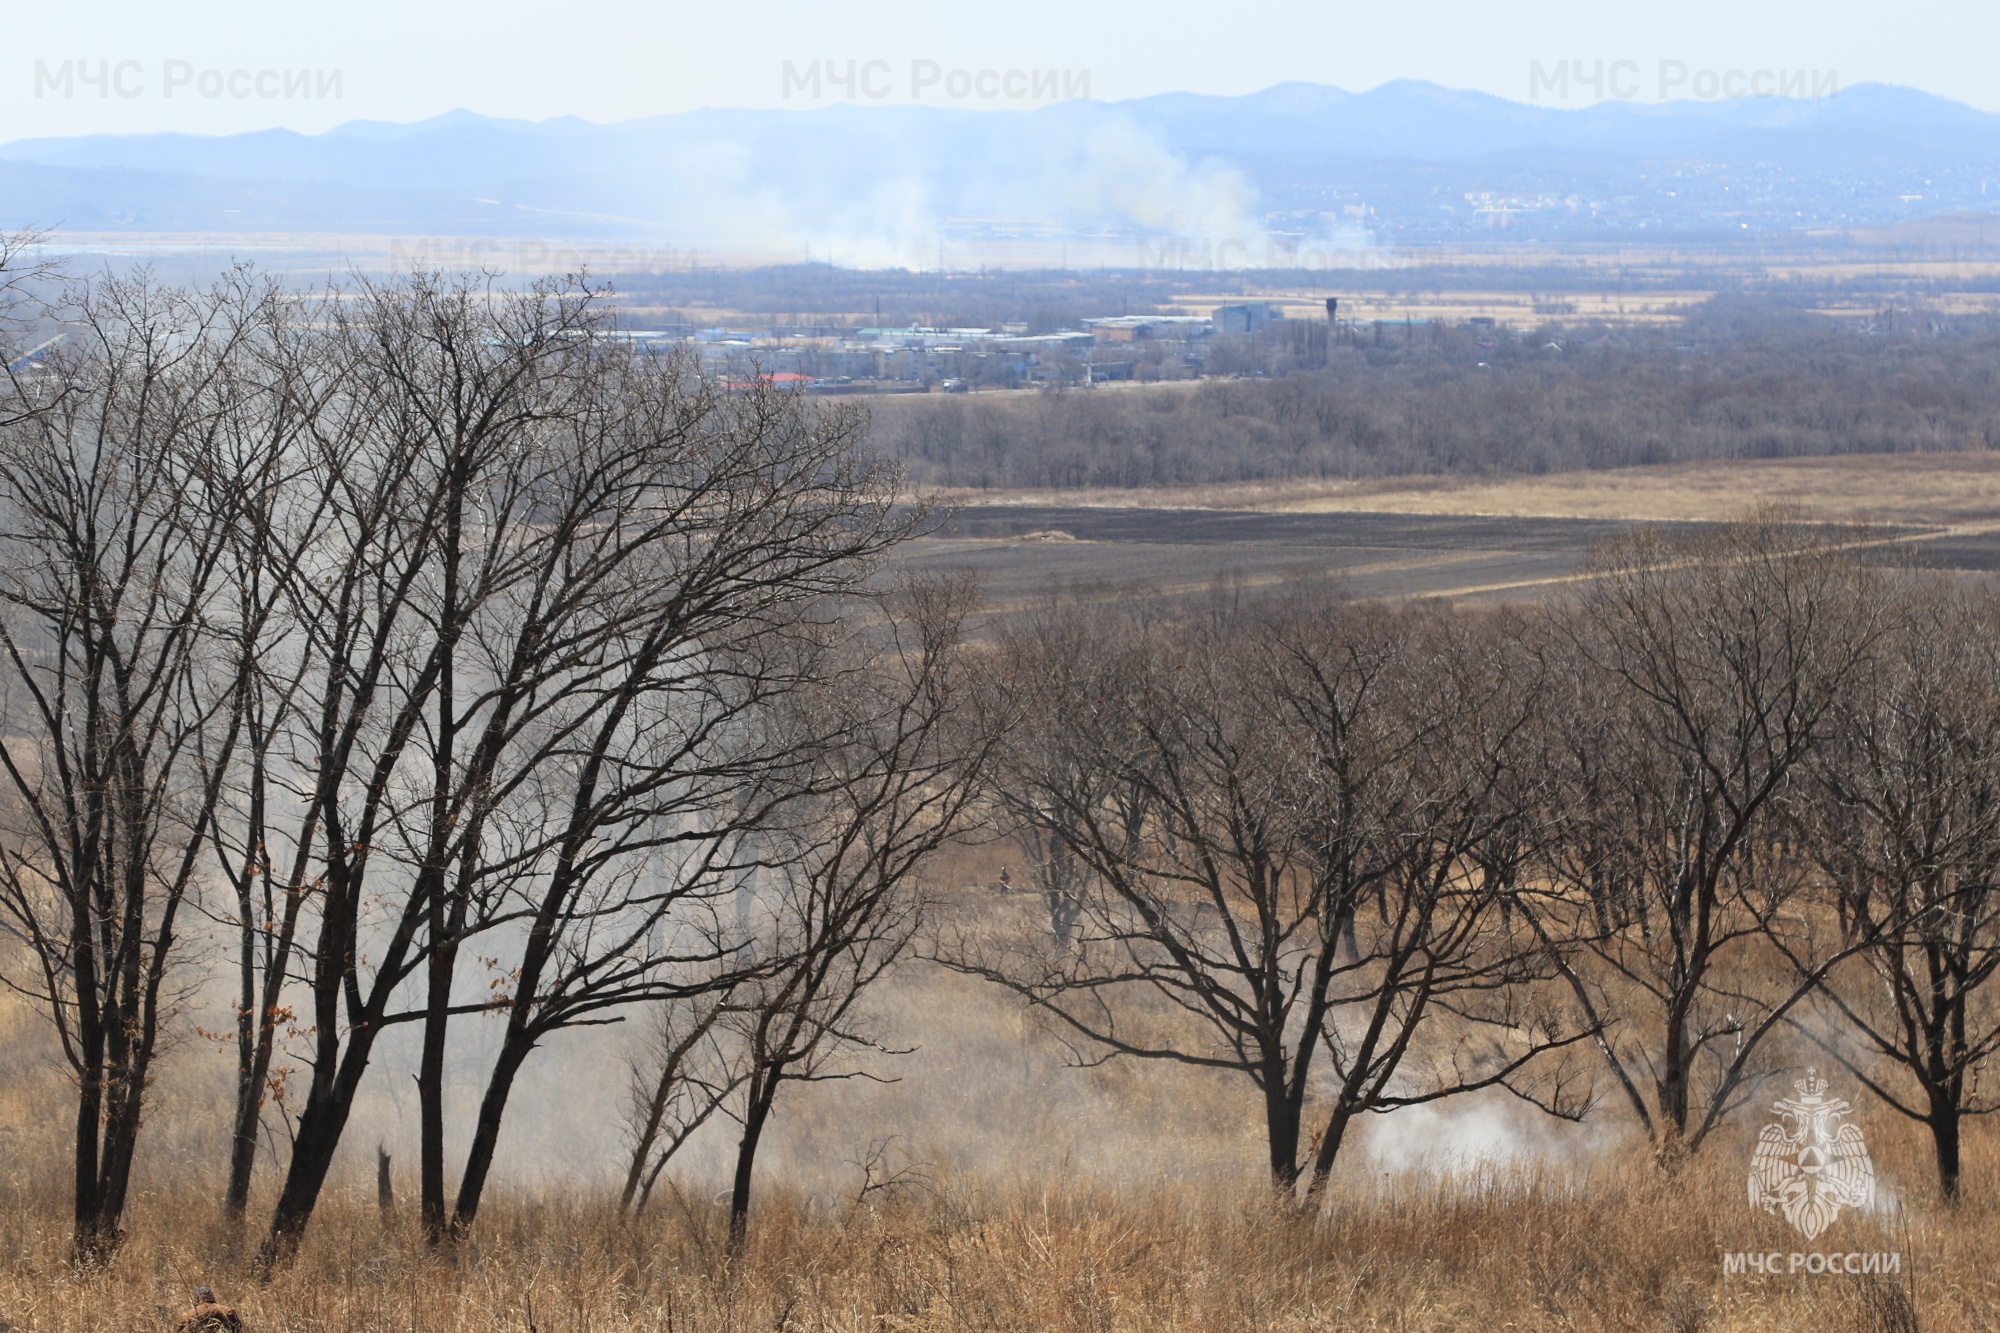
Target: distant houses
x=1247 y=319
x=1099 y=349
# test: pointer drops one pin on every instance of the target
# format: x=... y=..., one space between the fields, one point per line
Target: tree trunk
x=89 y=1243
x=1946 y=1122
x=430 y=1082
x=515 y=1046
x=443 y=920
x=257 y=1025
x=120 y=1147
x=1281 y=1129
x=257 y=1034
x=756 y=1113
x=514 y=1051
x=253 y=1073
x=1671 y=1090
x=1329 y=1149
x=249 y=1098
x=321 y=1124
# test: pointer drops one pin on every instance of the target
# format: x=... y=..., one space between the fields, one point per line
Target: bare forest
x=1741 y=378
x=406 y=666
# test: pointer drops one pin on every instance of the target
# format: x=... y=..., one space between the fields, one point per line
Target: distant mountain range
x=1302 y=163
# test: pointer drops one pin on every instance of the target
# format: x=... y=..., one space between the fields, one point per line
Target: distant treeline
x=1737 y=380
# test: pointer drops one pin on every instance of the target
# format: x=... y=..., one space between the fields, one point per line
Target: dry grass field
x=1478 y=538
x=978 y=1173
x=1605 y=1247
x=1949 y=489
x=995 y=1187
x=1018 y=1194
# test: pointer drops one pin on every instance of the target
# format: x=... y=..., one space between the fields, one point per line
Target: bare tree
x=702 y=593
x=684 y=1075
x=1294 y=760
x=552 y=591
x=1420 y=801
x=1037 y=756
x=27 y=273
x=420 y=468
x=117 y=691
x=841 y=908
x=1054 y=872
x=285 y=377
x=1708 y=669
x=1908 y=831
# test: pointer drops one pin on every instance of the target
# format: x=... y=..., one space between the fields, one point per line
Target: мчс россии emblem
x=1809 y=1166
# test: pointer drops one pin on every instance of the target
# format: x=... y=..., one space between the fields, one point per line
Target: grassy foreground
x=1023 y=1195
x=1610 y=1245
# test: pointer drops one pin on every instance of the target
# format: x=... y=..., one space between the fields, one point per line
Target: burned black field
x=1021 y=551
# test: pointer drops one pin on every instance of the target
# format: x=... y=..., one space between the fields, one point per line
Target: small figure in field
x=209 y=1315
x=1006 y=883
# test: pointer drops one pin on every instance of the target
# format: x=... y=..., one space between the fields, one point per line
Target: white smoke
x=1477 y=1132
x=921 y=187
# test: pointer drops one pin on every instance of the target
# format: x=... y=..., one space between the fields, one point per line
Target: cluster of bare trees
x=1734 y=801
x=441 y=658
x=403 y=656
x=1295 y=826
x=1457 y=401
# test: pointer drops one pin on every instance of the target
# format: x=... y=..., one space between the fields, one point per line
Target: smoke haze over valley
x=1139 y=668
x=1300 y=175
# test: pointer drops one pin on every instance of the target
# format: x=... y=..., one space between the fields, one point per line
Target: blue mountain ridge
x=1405 y=156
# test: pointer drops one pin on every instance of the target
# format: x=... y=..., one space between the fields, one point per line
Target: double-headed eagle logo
x=1809 y=1166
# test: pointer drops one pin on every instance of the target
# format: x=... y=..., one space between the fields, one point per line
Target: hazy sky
x=224 y=67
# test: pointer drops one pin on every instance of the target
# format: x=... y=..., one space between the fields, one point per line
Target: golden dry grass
x=1609 y=1246
x=1039 y=1199
x=1952 y=489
